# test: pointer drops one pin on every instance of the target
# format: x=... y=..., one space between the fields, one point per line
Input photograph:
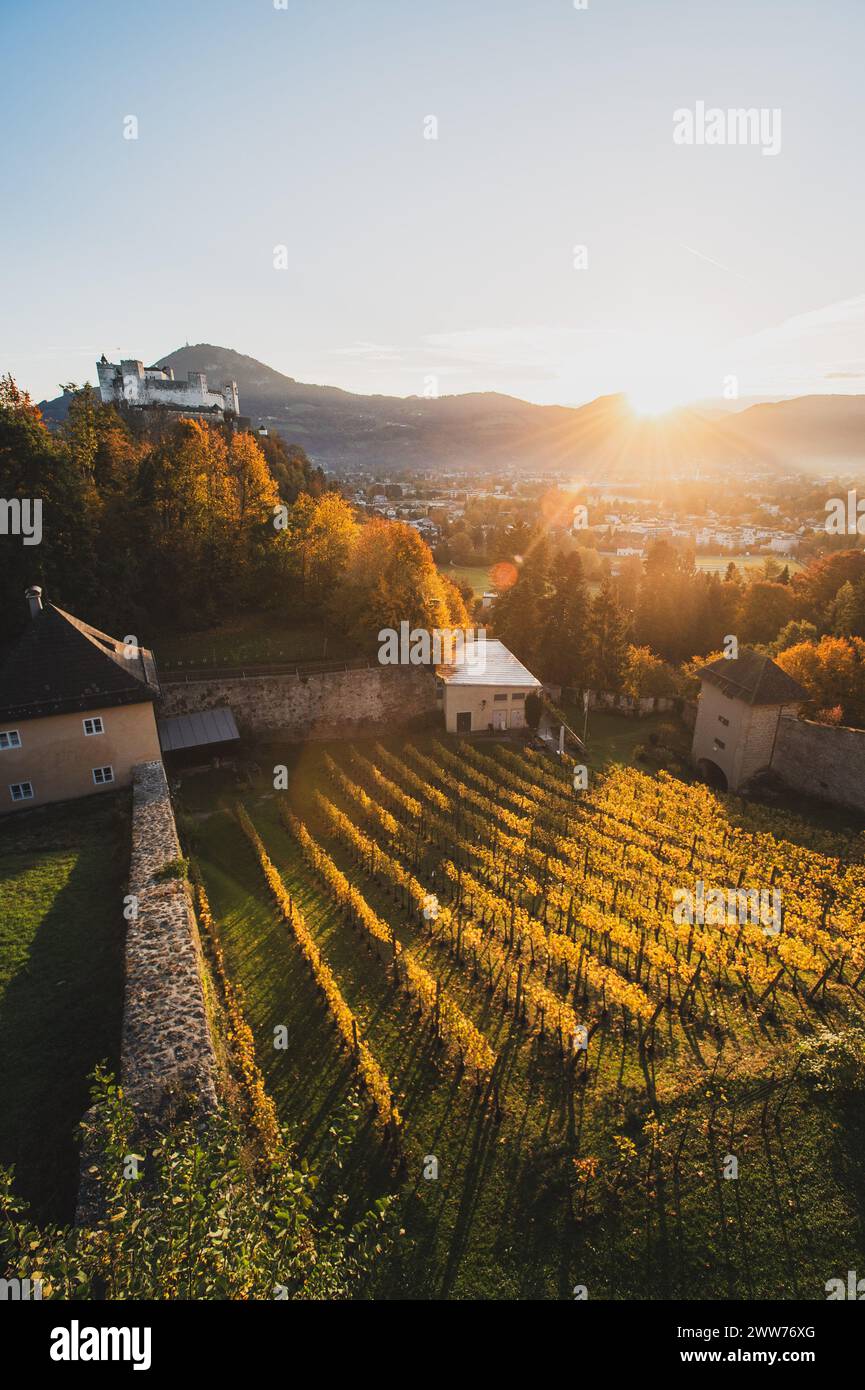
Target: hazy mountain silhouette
x=483 y=430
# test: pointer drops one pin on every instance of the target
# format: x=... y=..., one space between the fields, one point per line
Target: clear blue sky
x=411 y=257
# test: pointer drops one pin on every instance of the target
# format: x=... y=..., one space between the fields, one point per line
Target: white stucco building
x=484 y=694
x=742 y=700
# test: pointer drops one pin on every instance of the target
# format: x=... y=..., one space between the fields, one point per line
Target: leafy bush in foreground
x=199 y=1222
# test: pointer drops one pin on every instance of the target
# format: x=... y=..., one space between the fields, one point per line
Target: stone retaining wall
x=333 y=704
x=822 y=761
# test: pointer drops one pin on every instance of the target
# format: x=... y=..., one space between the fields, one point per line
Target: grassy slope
x=61 y=984
x=253 y=638
x=500 y=1222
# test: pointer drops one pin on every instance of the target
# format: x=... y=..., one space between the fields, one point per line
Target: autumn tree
x=833 y=673
x=392 y=578
x=816 y=587
x=207 y=507
x=318 y=540
x=792 y=633
x=38 y=474
x=290 y=467
x=689 y=679
x=766 y=607
x=646 y=675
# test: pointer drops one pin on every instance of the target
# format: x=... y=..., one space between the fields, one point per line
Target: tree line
x=647 y=630
x=155 y=523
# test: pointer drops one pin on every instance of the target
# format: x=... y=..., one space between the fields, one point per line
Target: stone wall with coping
x=167 y=1053
x=332 y=704
x=166 y=1046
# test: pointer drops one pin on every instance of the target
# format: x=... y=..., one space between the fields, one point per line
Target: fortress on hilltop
x=131 y=383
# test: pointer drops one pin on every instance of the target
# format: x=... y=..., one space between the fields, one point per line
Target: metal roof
x=196 y=730
x=491 y=664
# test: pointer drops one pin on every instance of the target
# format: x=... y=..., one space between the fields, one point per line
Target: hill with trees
x=184 y=525
x=479 y=430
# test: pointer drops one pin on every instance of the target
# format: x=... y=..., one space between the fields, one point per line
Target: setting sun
x=653 y=401
x=657 y=389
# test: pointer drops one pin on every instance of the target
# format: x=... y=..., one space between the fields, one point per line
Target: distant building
x=742 y=701
x=783 y=543
x=131 y=383
x=486 y=693
x=76 y=710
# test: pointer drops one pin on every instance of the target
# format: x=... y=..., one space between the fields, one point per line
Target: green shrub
x=834 y=1063
x=199 y=1222
x=175 y=868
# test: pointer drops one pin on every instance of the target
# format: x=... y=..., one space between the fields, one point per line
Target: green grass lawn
x=615 y=738
x=62 y=871
x=476 y=575
x=256 y=638
x=501 y=1220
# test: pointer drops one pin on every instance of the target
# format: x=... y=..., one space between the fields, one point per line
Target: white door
x=500 y=719
x=518 y=719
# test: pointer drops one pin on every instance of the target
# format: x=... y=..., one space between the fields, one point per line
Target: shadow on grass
x=61 y=1010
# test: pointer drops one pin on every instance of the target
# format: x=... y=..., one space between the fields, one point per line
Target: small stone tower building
x=742 y=700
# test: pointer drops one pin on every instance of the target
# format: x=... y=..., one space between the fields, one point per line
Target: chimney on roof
x=34 y=599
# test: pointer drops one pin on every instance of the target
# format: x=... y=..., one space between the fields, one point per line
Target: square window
x=719 y=743
x=94 y=726
x=518 y=695
x=722 y=720
x=10 y=739
x=101 y=775
x=21 y=791
x=500 y=698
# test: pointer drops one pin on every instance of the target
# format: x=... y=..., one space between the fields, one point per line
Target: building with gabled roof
x=741 y=704
x=76 y=710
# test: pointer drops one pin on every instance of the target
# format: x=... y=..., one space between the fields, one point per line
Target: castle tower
x=108 y=383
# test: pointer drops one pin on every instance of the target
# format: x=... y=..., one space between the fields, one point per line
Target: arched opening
x=712 y=774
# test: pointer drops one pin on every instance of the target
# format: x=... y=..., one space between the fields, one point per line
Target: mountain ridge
x=483 y=430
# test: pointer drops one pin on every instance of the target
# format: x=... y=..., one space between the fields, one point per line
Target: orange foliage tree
x=833 y=672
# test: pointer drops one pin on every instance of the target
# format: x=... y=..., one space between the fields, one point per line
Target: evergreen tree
x=519 y=612
x=847 y=613
x=609 y=642
x=563 y=647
